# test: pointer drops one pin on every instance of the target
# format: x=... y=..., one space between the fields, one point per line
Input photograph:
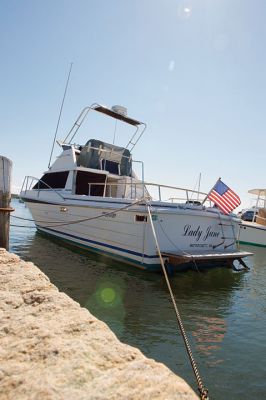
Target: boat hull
x=126 y=235
x=253 y=234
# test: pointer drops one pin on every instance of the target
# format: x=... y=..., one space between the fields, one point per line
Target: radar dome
x=120 y=110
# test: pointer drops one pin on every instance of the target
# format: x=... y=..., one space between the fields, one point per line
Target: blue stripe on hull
x=252 y=244
x=150 y=267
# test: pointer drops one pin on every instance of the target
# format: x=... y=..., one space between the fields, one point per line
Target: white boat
x=253 y=225
x=91 y=198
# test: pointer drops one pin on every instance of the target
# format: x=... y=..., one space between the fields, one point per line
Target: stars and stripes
x=223 y=197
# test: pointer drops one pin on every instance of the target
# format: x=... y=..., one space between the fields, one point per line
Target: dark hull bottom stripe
x=149 y=267
x=55 y=232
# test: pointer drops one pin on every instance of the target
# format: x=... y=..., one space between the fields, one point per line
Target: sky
x=192 y=70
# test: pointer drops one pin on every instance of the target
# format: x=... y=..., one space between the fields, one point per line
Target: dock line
x=202 y=390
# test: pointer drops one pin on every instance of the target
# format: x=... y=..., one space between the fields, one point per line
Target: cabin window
x=54 y=180
x=90 y=184
x=110 y=166
x=141 y=218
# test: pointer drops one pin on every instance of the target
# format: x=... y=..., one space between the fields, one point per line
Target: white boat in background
x=91 y=198
x=253 y=226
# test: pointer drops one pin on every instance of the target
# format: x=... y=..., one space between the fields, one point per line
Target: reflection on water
x=209 y=335
x=223 y=311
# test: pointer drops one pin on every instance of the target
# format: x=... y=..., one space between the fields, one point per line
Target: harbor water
x=223 y=311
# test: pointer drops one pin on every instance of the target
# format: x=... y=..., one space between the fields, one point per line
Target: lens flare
x=108 y=295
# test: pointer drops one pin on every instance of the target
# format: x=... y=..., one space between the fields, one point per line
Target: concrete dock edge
x=51 y=348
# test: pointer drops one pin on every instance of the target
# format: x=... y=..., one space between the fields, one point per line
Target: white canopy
x=258 y=192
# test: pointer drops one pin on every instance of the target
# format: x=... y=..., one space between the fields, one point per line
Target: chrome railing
x=138 y=189
x=131 y=190
x=30 y=180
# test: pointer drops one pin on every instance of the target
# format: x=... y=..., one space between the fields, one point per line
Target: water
x=223 y=311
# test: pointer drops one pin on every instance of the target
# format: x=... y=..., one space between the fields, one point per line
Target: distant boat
x=253 y=226
x=92 y=198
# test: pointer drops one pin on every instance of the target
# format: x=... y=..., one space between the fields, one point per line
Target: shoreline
x=52 y=348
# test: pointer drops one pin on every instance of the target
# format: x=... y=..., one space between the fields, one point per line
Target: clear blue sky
x=193 y=70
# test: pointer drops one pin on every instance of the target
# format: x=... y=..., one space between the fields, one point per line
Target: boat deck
x=175 y=258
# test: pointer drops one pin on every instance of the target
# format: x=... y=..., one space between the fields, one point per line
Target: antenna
x=62 y=104
x=199 y=185
x=115 y=131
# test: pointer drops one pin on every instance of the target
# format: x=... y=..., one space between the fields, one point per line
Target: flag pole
x=210 y=191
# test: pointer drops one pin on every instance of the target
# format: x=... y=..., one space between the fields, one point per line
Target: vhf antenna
x=57 y=126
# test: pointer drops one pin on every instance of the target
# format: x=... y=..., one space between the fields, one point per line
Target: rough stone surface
x=51 y=348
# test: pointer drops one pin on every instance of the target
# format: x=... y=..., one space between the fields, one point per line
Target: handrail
x=143 y=185
x=134 y=185
x=33 y=178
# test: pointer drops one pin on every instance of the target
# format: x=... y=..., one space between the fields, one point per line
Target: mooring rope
x=203 y=391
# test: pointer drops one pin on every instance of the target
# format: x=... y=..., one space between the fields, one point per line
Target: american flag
x=223 y=197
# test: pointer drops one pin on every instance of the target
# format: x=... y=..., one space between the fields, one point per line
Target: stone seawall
x=51 y=348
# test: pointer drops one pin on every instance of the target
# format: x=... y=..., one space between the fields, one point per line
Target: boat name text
x=199 y=233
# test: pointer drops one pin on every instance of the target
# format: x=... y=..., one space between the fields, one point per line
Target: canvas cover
x=261 y=217
x=95 y=152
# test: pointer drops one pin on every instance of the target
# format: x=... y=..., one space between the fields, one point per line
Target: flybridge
x=97 y=154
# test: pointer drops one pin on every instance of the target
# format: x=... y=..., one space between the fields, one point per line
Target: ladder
x=223 y=237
